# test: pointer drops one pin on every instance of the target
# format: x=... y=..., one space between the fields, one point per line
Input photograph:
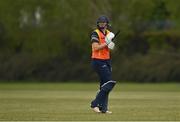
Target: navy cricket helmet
x=102 y=19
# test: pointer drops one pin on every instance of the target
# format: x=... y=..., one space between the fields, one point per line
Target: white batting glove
x=109 y=38
x=111 y=45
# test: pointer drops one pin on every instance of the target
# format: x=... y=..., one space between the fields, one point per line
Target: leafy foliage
x=49 y=40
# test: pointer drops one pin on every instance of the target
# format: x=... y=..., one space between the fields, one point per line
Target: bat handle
x=117 y=33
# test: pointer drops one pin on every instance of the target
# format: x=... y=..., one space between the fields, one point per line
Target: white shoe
x=96 y=109
x=108 y=112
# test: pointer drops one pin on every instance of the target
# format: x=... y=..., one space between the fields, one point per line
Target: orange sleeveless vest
x=103 y=53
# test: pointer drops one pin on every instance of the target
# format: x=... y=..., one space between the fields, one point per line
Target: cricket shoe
x=96 y=109
x=107 y=112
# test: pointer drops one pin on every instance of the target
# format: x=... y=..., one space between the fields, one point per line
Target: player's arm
x=97 y=46
x=95 y=42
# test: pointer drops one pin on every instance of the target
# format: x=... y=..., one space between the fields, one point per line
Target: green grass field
x=71 y=101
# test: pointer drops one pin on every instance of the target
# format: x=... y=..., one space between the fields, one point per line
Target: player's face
x=102 y=25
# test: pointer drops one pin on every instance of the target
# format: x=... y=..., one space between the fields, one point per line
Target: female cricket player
x=101 y=39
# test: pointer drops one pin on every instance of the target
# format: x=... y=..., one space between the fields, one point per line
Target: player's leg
x=110 y=73
x=107 y=85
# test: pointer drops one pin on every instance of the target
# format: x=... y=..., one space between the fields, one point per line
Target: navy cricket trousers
x=104 y=70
